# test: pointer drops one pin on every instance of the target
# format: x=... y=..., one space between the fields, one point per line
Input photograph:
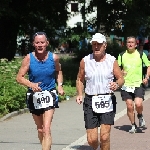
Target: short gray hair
x=129 y=37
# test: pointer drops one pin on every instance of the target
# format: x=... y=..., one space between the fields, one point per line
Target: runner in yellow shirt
x=133 y=89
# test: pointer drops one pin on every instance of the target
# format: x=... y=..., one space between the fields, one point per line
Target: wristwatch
x=60 y=84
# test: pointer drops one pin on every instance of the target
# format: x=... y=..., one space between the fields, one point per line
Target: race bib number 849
x=102 y=103
x=42 y=99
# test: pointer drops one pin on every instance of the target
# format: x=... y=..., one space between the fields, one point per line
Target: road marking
x=82 y=140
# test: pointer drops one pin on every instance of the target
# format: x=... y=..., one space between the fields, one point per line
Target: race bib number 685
x=102 y=103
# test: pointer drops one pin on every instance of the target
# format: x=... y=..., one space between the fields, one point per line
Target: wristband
x=60 y=84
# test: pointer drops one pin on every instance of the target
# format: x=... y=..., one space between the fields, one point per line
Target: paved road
x=19 y=133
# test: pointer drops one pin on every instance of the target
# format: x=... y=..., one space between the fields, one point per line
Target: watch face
x=60 y=84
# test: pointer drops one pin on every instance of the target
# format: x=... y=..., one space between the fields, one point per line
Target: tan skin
x=92 y=134
x=43 y=121
x=131 y=46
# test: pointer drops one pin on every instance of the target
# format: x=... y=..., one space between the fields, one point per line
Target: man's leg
x=39 y=123
x=139 y=97
x=92 y=137
x=128 y=98
x=138 y=105
x=105 y=136
x=130 y=110
x=47 y=139
x=131 y=115
x=91 y=123
x=107 y=119
x=139 y=109
x=43 y=123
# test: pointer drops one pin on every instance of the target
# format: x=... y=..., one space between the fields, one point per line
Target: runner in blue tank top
x=43 y=68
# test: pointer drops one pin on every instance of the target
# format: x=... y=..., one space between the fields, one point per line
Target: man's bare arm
x=80 y=78
x=118 y=74
x=59 y=74
x=22 y=72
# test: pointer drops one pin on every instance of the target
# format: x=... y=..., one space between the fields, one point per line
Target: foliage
x=27 y=17
x=114 y=49
x=112 y=14
x=70 y=69
x=83 y=52
x=12 y=96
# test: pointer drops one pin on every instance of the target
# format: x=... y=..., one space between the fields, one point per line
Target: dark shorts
x=92 y=119
x=30 y=105
x=139 y=92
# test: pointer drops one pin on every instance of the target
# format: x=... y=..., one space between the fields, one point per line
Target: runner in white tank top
x=98 y=70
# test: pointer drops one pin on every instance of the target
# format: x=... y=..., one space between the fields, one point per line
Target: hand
x=124 y=73
x=145 y=81
x=35 y=87
x=79 y=99
x=113 y=86
x=60 y=90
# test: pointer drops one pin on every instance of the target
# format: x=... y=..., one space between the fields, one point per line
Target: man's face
x=40 y=43
x=98 y=48
x=131 y=44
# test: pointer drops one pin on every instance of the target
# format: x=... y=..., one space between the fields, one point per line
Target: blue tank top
x=43 y=72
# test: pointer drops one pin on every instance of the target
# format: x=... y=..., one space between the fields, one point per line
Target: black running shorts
x=92 y=119
x=30 y=105
x=139 y=92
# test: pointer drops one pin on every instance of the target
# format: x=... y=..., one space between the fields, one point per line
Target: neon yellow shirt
x=132 y=65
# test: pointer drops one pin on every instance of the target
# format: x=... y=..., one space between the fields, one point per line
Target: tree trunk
x=98 y=16
x=8 y=35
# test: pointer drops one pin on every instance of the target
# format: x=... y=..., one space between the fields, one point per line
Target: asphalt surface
x=18 y=131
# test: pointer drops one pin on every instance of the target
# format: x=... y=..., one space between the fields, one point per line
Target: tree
x=115 y=14
x=28 y=17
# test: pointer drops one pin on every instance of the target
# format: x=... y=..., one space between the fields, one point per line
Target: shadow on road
x=126 y=128
x=83 y=147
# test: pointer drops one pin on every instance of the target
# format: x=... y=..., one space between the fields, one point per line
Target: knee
x=130 y=107
x=40 y=130
x=46 y=130
x=92 y=140
x=105 y=137
x=138 y=105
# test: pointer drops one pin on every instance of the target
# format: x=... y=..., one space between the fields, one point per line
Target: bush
x=83 y=52
x=12 y=96
x=70 y=67
x=114 y=49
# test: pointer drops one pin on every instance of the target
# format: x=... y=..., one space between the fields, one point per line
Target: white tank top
x=98 y=75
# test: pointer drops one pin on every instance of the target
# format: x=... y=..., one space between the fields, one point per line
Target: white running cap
x=100 y=38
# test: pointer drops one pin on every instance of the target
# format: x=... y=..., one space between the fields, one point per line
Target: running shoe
x=141 y=121
x=133 y=129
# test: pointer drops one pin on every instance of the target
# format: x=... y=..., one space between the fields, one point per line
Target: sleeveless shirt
x=98 y=75
x=43 y=72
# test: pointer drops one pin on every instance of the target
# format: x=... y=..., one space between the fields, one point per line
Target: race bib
x=42 y=99
x=102 y=103
x=128 y=89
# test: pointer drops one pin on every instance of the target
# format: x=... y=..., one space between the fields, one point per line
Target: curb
x=13 y=114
